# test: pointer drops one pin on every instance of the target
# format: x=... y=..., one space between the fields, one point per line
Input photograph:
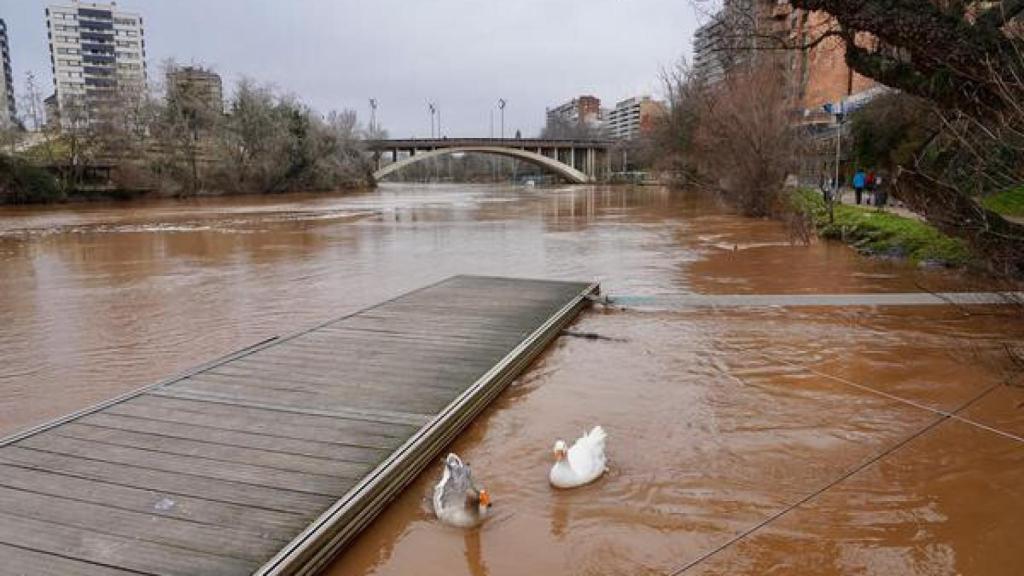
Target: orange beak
x=485 y=499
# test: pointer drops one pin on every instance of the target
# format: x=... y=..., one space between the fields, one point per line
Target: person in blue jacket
x=859 y=180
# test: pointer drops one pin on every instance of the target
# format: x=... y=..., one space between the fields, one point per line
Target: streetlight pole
x=373 y=117
x=501 y=106
x=839 y=149
x=433 y=110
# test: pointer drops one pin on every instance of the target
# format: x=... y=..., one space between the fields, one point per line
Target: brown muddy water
x=819 y=434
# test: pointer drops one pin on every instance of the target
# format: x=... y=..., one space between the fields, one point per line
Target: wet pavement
x=831 y=437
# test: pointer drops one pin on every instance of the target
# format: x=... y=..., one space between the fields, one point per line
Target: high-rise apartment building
x=813 y=75
x=633 y=117
x=709 y=54
x=8 y=113
x=584 y=110
x=97 y=52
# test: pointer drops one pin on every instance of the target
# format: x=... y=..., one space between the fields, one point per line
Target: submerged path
x=792 y=300
x=271 y=459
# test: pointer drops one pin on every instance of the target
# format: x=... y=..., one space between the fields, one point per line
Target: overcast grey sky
x=463 y=54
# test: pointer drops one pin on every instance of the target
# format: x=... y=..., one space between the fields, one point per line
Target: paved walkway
x=896 y=207
x=839 y=300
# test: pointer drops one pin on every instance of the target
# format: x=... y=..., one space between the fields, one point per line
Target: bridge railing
x=405 y=143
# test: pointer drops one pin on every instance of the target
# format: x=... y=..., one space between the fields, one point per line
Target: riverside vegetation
x=879 y=233
x=183 y=145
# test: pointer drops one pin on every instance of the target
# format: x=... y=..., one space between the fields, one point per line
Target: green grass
x=883 y=233
x=1009 y=203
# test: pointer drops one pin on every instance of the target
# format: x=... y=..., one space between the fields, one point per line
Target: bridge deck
x=270 y=460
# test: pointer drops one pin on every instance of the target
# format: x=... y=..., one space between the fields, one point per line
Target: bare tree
x=743 y=142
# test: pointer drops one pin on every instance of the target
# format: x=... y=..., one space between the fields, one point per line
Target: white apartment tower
x=8 y=113
x=632 y=117
x=96 y=52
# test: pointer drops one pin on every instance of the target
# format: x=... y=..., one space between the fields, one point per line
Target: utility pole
x=433 y=110
x=373 y=117
x=501 y=106
x=490 y=157
x=839 y=113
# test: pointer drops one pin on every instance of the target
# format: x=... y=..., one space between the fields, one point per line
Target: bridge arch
x=564 y=170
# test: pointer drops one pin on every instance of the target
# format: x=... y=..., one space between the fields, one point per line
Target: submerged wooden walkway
x=272 y=459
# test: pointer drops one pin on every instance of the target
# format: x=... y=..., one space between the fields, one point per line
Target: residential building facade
x=633 y=117
x=97 y=53
x=199 y=86
x=8 y=112
x=814 y=72
x=709 y=54
x=583 y=110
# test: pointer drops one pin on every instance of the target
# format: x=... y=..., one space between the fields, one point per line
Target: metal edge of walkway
x=329 y=534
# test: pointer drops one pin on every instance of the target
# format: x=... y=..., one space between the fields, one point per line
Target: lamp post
x=838 y=113
x=373 y=117
x=501 y=106
x=433 y=110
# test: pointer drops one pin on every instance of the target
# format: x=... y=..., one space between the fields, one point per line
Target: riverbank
x=874 y=232
x=24 y=183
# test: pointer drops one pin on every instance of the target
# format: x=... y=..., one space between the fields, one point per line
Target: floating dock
x=272 y=459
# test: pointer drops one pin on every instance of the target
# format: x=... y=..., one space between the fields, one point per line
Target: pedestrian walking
x=881 y=196
x=859 y=180
x=869 y=188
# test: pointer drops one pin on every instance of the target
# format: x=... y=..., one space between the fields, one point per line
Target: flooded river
x=810 y=440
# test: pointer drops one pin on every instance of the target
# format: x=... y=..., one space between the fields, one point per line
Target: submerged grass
x=882 y=233
x=1008 y=203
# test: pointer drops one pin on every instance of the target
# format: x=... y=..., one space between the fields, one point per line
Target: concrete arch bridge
x=578 y=161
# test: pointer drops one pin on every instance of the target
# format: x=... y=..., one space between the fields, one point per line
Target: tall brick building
x=814 y=76
x=819 y=74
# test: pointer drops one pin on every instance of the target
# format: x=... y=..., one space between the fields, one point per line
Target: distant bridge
x=578 y=161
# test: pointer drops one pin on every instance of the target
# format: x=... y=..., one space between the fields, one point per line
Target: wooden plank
x=226 y=541
x=300 y=399
x=201 y=510
x=351 y=335
x=263 y=420
x=181 y=483
x=253 y=474
x=349 y=391
x=106 y=549
x=443 y=378
x=25 y=562
x=227 y=437
x=347 y=357
x=339 y=412
x=276 y=459
x=350 y=396
x=283 y=377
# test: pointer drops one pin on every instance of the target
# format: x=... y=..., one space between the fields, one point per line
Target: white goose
x=458 y=501
x=581 y=464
